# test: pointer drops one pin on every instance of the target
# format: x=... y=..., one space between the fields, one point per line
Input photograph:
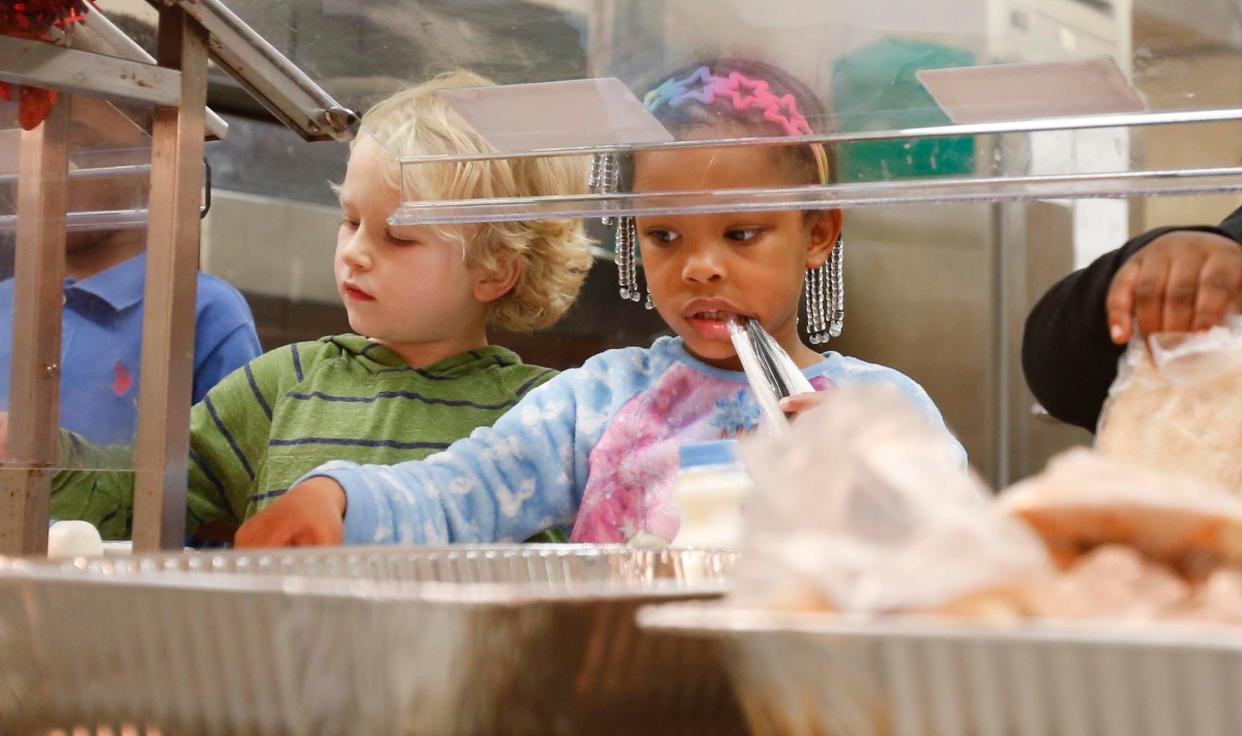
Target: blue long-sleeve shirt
x=595 y=447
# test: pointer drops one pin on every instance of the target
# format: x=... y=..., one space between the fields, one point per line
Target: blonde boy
x=420 y=373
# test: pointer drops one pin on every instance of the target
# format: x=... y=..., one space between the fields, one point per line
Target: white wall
x=272 y=247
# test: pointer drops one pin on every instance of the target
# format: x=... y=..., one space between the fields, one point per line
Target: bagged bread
x=1176 y=406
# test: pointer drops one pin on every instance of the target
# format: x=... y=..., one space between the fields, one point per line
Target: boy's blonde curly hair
x=553 y=256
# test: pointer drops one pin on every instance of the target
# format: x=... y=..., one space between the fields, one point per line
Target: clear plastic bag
x=864 y=506
x=1176 y=405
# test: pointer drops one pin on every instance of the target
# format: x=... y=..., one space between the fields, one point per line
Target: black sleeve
x=1067 y=356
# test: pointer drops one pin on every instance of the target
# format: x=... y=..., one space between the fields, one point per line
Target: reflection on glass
x=360 y=50
x=1033 y=130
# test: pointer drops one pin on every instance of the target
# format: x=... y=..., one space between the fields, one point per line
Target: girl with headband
x=596 y=447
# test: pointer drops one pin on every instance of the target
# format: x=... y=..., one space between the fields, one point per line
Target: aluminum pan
x=815 y=673
x=571 y=566
x=362 y=641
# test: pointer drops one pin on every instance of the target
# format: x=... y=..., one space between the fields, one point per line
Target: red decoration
x=122 y=379
x=35 y=19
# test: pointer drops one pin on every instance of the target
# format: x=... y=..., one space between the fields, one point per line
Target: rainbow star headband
x=745 y=94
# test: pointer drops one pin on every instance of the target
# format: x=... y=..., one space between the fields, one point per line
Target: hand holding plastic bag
x=864 y=506
x=1176 y=406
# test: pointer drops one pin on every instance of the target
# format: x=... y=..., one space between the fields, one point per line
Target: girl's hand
x=310 y=514
x=799 y=403
x=1181 y=281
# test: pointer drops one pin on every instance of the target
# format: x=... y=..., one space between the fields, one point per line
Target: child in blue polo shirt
x=101 y=333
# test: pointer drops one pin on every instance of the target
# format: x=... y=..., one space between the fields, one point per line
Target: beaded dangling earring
x=627 y=266
x=604 y=179
x=836 y=288
x=824 y=292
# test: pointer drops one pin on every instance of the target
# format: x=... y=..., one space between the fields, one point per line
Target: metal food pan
x=362 y=641
x=820 y=673
x=564 y=564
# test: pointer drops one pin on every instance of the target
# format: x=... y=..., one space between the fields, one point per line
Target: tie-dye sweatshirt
x=595 y=447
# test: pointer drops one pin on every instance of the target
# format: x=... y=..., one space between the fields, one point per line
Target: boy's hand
x=1181 y=281
x=310 y=514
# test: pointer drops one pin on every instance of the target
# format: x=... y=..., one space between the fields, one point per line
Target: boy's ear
x=823 y=230
x=493 y=284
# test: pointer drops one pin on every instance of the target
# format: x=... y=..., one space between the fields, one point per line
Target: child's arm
x=502 y=483
x=1078 y=330
x=97 y=488
x=229 y=431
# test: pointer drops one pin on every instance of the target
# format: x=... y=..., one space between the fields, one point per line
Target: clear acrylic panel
x=109 y=163
x=973 y=100
x=107 y=184
x=891 y=143
x=101 y=304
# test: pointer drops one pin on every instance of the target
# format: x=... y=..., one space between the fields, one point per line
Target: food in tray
x=1085 y=500
x=1117 y=582
x=1131 y=542
x=1219 y=598
x=1177 y=406
x=1111 y=582
x=896 y=528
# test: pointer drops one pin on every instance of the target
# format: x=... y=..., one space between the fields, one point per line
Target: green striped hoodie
x=288 y=411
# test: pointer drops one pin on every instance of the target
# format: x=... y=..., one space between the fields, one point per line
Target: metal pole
x=169 y=303
x=34 y=392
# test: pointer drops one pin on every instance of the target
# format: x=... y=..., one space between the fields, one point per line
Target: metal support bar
x=273 y=80
x=40 y=64
x=172 y=265
x=34 y=392
x=100 y=35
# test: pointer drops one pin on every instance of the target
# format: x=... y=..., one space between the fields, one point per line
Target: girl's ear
x=493 y=284
x=823 y=230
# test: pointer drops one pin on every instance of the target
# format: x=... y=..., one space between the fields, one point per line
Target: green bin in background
x=875 y=88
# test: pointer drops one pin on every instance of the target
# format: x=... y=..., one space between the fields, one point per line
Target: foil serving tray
x=504 y=639
x=823 y=673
